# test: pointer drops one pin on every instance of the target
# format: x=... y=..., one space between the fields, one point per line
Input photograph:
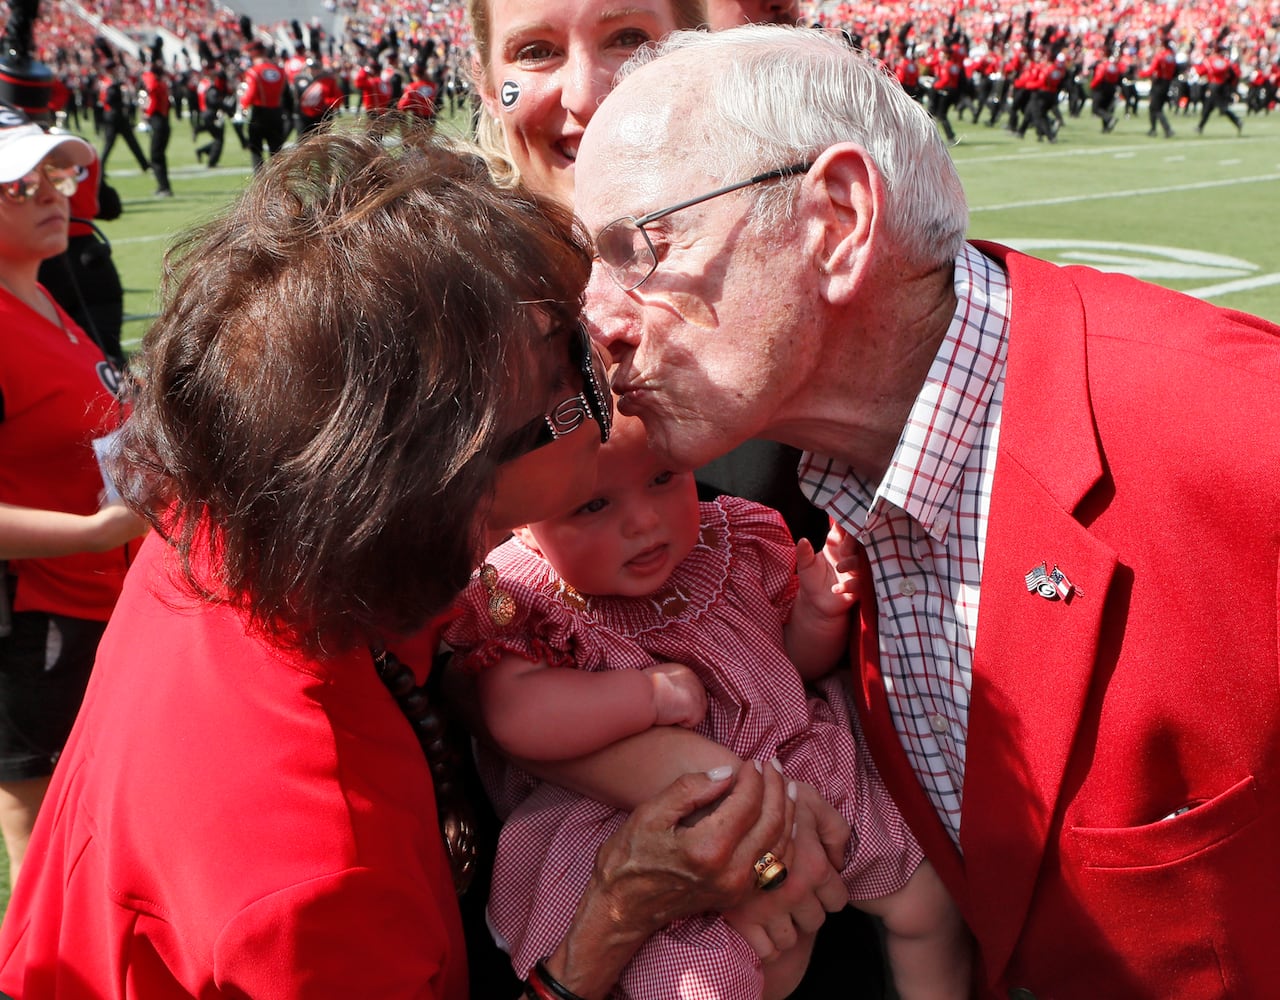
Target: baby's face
x=640 y=523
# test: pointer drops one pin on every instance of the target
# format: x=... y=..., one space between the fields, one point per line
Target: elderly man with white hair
x=1064 y=486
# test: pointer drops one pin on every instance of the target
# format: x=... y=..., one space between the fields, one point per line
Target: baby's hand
x=678 y=696
x=828 y=580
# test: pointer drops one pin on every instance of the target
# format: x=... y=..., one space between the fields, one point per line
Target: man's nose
x=611 y=316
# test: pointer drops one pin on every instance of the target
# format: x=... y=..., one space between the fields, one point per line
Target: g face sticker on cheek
x=509 y=95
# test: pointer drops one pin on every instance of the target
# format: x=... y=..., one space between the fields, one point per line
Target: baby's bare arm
x=632 y=770
x=534 y=711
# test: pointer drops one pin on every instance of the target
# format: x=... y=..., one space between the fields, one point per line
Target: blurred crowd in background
x=1005 y=63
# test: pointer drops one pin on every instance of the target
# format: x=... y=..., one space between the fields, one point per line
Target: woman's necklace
x=45 y=309
x=448 y=752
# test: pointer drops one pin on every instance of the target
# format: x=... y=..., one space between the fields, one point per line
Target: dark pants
x=999 y=95
x=1104 y=104
x=266 y=128
x=213 y=123
x=1156 y=104
x=983 y=89
x=1038 y=108
x=1129 y=91
x=1076 y=96
x=116 y=126
x=159 y=125
x=45 y=662
x=940 y=104
x=1017 y=108
x=1219 y=99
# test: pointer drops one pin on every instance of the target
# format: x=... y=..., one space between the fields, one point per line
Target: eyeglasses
x=65 y=180
x=624 y=247
x=595 y=401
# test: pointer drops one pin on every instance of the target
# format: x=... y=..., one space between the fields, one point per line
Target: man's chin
x=680 y=453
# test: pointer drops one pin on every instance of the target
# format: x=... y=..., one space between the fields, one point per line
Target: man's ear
x=847 y=195
x=526 y=537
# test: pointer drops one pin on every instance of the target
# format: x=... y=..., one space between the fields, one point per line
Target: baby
x=644 y=608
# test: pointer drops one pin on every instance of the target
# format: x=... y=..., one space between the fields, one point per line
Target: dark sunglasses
x=594 y=402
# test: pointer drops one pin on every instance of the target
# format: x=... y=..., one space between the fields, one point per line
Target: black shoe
x=200 y=155
x=145 y=167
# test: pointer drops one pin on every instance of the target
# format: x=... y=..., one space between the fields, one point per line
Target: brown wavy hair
x=337 y=357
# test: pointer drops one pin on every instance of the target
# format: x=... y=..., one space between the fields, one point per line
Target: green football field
x=1199 y=213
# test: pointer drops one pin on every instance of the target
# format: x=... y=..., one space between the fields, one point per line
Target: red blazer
x=1120 y=827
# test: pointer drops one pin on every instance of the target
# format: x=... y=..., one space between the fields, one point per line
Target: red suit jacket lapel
x=1034 y=657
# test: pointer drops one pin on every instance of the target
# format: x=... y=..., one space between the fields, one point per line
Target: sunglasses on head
x=64 y=180
x=594 y=402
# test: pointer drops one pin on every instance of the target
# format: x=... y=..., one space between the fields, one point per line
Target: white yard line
x=1133 y=193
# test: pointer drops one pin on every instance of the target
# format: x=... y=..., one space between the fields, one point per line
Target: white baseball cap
x=23 y=144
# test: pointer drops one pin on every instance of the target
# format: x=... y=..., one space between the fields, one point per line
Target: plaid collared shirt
x=924 y=529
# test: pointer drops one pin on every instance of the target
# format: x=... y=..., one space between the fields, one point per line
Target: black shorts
x=45 y=663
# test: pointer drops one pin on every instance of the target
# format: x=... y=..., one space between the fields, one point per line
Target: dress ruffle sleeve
x=760 y=537
x=541 y=628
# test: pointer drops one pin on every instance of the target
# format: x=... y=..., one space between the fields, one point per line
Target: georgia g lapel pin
x=1052 y=586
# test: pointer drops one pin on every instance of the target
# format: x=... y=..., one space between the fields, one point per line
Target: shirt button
x=939 y=723
x=906 y=588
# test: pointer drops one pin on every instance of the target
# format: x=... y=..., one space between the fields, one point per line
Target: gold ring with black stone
x=770 y=871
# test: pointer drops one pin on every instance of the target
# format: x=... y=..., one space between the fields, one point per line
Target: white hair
x=777 y=96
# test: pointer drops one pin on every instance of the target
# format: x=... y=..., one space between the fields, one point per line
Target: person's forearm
x=635 y=769
x=544 y=713
x=657 y=867
x=815 y=642
x=601 y=941
x=31 y=533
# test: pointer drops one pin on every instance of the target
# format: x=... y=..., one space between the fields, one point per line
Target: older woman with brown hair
x=346 y=394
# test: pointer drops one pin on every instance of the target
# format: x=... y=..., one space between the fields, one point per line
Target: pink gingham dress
x=721 y=613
